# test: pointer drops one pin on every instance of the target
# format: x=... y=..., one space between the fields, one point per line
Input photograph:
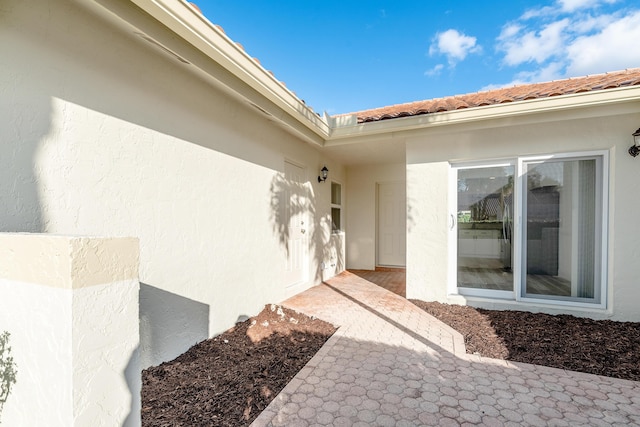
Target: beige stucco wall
x=70 y=305
x=603 y=128
x=102 y=134
x=67 y=263
x=362 y=183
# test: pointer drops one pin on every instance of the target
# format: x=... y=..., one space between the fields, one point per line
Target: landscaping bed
x=601 y=347
x=228 y=380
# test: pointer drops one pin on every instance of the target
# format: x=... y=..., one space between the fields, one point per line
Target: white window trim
x=516 y=295
x=337 y=206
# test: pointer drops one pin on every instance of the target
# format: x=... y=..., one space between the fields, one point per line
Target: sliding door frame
x=453 y=287
x=519 y=232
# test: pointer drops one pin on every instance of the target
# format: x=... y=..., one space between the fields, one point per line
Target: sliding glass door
x=531 y=229
x=484 y=217
x=562 y=213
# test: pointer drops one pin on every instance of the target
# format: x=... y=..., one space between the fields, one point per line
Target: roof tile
x=615 y=79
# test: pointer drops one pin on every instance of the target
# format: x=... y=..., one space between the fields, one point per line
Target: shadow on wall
x=169 y=324
x=134 y=383
x=291 y=202
x=410 y=219
x=334 y=256
x=24 y=121
x=34 y=43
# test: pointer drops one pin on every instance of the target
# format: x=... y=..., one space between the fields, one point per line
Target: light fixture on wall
x=634 y=150
x=324 y=172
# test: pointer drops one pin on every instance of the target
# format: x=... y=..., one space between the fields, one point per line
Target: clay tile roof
x=629 y=77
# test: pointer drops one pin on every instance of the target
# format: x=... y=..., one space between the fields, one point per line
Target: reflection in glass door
x=563 y=216
x=485 y=202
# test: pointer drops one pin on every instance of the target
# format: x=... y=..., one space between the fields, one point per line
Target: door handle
x=453 y=221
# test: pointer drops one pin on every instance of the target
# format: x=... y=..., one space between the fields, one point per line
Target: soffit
x=223 y=61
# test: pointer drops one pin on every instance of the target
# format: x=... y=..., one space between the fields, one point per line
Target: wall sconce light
x=634 y=150
x=324 y=172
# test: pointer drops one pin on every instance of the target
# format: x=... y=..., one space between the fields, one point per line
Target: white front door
x=296 y=204
x=392 y=224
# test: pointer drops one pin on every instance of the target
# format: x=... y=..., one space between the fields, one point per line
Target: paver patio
x=392 y=364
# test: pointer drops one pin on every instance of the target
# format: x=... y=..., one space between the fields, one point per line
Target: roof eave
x=195 y=29
x=355 y=133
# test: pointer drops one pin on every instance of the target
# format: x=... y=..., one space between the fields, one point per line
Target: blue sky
x=346 y=56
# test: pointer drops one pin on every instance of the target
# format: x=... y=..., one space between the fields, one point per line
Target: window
x=532 y=229
x=336 y=207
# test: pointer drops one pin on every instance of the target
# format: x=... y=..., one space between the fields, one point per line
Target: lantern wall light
x=324 y=172
x=634 y=150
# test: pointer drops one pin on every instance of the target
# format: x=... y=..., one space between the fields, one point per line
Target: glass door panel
x=562 y=214
x=485 y=224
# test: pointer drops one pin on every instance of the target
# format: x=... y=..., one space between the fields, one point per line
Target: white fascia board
x=392 y=128
x=197 y=30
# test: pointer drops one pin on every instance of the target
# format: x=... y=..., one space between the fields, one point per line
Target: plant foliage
x=8 y=369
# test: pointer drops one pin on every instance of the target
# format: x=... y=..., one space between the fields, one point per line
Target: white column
x=70 y=305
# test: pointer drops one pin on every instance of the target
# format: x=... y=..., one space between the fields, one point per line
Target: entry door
x=392 y=224
x=296 y=205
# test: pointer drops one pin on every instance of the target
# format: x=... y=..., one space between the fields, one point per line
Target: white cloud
x=564 y=6
x=510 y=30
x=590 y=23
x=614 y=47
x=532 y=46
x=435 y=70
x=570 y=38
x=573 y=5
x=537 y=13
x=454 y=45
x=551 y=72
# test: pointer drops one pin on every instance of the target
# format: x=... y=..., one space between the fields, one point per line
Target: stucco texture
x=601 y=128
x=362 y=213
x=75 y=348
x=107 y=135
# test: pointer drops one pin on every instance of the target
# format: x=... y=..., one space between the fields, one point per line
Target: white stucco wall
x=105 y=354
x=362 y=183
x=427 y=230
x=41 y=346
x=102 y=134
x=428 y=157
x=70 y=305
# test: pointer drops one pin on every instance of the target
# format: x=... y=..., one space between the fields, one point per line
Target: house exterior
x=518 y=198
x=141 y=118
x=212 y=164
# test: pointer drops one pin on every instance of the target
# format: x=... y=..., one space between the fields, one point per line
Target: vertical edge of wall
x=71 y=307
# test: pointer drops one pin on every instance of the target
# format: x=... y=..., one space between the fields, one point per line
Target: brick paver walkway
x=392 y=279
x=391 y=364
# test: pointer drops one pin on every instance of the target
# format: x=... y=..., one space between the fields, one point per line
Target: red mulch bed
x=601 y=347
x=228 y=380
